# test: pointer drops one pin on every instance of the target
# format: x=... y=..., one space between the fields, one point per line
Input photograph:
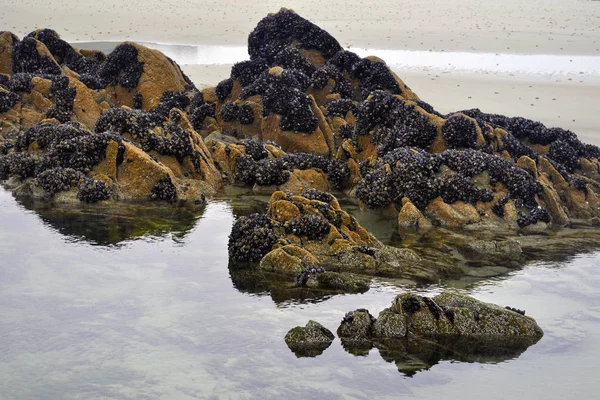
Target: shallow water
x=153 y=313
x=439 y=61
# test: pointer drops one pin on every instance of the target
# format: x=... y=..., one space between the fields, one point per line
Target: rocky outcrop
x=67 y=124
x=300 y=114
x=301 y=234
x=463 y=170
x=309 y=341
x=451 y=316
x=416 y=332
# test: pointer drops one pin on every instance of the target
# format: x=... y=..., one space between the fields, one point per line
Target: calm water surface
x=118 y=307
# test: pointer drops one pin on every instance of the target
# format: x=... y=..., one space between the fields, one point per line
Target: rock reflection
x=113 y=224
x=412 y=356
x=282 y=288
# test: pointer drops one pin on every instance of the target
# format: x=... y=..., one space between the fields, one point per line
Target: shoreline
x=535 y=27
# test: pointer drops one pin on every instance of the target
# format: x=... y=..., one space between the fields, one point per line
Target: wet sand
x=529 y=27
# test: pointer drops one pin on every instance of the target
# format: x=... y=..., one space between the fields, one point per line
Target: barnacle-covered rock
x=59 y=179
x=356 y=329
x=310 y=340
x=301 y=114
x=251 y=238
x=444 y=318
x=312 y=229
x=417 y=331
x=92 y=190
x=286 y=28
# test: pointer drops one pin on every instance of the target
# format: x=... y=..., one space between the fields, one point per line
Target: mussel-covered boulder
x=302 y=233
x=132 y=69
x=309 y=341
x=125 y=159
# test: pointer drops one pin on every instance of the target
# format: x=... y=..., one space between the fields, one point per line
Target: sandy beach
x=516 y=26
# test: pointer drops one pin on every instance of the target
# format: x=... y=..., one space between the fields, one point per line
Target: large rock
x=311 y=230
x=450 y=316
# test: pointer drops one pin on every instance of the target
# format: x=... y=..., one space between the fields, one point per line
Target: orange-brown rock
x=6 y=43
x=410 y=217
x=160 y=74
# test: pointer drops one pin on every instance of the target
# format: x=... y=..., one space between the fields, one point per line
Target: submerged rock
x=309 y=341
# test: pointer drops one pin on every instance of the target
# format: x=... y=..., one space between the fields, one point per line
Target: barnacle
x=245 y=114
x=338 y=173
x=340 y=108
x=122 y=67
x=163 y=190
x=123 y=120
x=229 y=111
x=46 y=134
x=21 y=165
x=460 y=132
x=255 y=149
x=264 y=172
x=26 y=58
x=251 y=238
x=247 y=72
x=168 y=100
x=58 y=179
x=285 y=28
x=64 y=97
x=64 y=54
x=560 y=151
x=200 y=113
x=292 y=58
x=92 y=191
x=374 y=76
x=305 y=161
x=312 y=226
x=316 y=194
x=8 y=100
x=223 y=89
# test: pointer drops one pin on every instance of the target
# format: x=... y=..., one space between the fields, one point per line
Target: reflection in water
x=412 y=356
x=162 y=319
x=109 y=225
